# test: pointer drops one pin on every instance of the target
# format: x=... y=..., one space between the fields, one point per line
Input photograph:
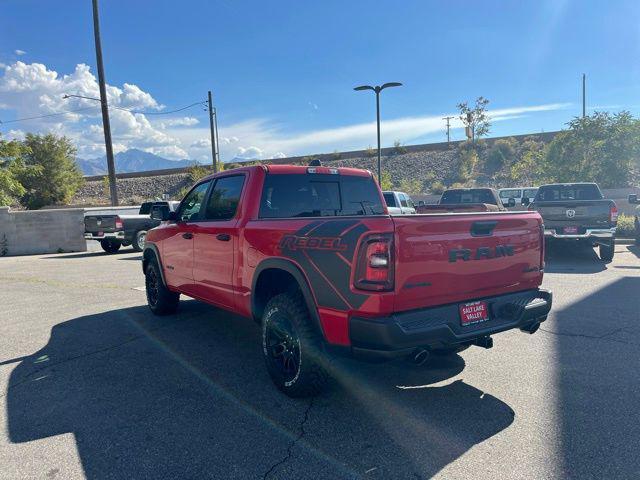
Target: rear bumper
x=105 y=235
x=440 y=327
x=589 y=233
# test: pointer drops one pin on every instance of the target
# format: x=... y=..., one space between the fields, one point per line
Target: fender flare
x=149 y=250
x=295 y=271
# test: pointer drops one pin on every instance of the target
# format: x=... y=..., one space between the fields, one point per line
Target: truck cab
x=399 y=203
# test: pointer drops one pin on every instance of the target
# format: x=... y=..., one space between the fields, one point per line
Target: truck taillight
x=613 y=213
x=374 y=270
x=119 y=225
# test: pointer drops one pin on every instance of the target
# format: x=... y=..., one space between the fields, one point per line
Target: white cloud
x=19 y=52
x=179 y=122
x=32 y=90
x=250 y=153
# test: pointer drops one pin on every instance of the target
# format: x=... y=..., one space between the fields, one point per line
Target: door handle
x=187 y=235
x=223 y=237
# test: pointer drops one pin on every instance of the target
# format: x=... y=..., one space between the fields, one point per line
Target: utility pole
x=448 y=137
x=584 y=95
x=215 y=121
x=106 y=125
x=213 y=135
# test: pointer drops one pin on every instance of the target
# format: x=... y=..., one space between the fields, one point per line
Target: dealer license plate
x=474 y=312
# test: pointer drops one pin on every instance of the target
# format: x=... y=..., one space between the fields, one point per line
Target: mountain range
x=132 y=160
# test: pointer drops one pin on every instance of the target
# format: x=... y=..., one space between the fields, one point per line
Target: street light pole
x=377 y=89
x=106 y=125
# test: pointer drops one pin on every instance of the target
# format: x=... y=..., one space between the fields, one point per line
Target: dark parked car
x=578 y=212
x=114 y=231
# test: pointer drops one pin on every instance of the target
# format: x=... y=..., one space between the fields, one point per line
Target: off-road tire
x=160 y=299
x=138 y=240
x=311 y=376
x=110 y=246
x=444 y=352
x=607 y=251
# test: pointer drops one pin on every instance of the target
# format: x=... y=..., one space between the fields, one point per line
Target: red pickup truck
x=312 y=254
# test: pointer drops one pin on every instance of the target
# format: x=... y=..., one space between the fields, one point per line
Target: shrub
x=626 y=226
x=437 y=187
x=398 y=147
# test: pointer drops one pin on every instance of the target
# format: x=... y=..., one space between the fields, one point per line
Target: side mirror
x=162 y=213
x=526 y=201
x=421 y=203
x=511 y=203
x=633 y=198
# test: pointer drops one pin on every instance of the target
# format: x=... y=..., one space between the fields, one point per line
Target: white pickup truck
x=399 y=203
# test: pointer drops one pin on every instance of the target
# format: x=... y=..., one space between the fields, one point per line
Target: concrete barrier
x=41 y=231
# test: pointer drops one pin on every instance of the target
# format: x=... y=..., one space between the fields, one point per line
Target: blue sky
x=283 y=72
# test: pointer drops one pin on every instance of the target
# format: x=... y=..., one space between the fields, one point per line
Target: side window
x=403 y=199
x=410 y=202
x=190 y=206
x=224 y=198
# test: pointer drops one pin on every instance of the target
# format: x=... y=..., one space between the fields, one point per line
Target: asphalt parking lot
x=93 y=386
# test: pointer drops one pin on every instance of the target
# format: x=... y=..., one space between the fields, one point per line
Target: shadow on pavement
x=91 y=254
x=635 y=249
x=188 y=396
x=572 y=257
x=597 y=344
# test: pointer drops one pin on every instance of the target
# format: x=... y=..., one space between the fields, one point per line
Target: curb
x=625 y=241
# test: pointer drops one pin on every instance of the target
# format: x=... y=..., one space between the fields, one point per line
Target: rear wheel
x=109 y=245
x=292 y=347
x=138 y=240
x=160 y=299
x=607 y=251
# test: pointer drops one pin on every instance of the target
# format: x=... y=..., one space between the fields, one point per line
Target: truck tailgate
x=581 y=212
x=99 y=223
x=448 y=258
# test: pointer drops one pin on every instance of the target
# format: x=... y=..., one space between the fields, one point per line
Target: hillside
x=132 y=160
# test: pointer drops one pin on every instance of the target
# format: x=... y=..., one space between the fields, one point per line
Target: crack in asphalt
x=293 y=442
x=592 y=337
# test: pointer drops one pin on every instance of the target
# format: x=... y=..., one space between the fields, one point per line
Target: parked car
x=522 y=196
x=472 y=197
x=313 y=256
x=114 y=231
x=633 y=200
x=399 y=203
x=578 y=212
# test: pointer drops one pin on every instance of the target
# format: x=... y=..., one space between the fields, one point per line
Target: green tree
x=601 y=147
x=10 y=166
x=469 y=160
x=475 y=118
x=51 y=175
x=437 y=187
x=387 y=183
x=502 y=154
x=412 y=186
x=531 y=168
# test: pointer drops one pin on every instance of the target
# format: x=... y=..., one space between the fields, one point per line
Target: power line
x=162 y=113
x=2 y=122
x=45 y=116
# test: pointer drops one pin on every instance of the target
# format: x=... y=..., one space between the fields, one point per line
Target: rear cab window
x=553 y=193
x=479 y=195
x=319 y=195
x=390 y=199
x=515 y=193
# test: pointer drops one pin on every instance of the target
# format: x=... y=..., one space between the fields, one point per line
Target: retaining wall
x=41 y=231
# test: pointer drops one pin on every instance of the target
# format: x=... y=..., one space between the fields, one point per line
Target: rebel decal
x=295 y=242
x=317 y=248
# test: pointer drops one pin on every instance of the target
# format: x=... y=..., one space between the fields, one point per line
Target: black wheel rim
x=153 y=287
x=283 y=347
